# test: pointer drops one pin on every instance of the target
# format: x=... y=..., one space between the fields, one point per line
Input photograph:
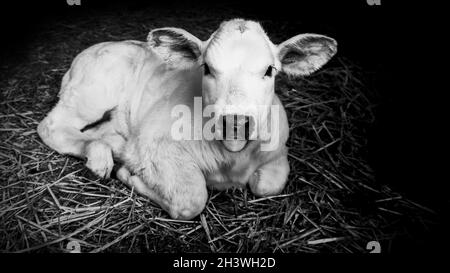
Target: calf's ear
x=177 y=47
x=305 y=53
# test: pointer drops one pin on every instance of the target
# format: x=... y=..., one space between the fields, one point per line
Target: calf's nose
x=236 y=127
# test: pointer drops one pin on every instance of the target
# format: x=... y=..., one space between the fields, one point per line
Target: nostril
x=247 y=128
x=224 y=127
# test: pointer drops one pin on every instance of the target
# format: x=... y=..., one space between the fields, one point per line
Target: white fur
x=140 y=84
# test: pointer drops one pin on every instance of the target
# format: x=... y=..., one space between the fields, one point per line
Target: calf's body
x=116 y=102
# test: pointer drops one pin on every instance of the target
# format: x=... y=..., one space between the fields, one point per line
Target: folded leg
x=270 y=178
x=169 y=177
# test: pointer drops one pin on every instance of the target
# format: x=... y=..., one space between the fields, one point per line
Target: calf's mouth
x=236 y=130
x=234 y=145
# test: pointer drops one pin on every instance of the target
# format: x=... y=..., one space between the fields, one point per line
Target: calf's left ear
x=177 y=47
x=305 y=53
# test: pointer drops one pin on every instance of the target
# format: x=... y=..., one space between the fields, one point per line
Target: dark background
x=399 y=45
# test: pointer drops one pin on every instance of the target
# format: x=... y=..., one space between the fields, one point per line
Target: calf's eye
x=206 y=69
x=269 y=71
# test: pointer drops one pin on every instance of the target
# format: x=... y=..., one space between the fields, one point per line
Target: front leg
x=270 y=178
x=167 y=175
x=99 y=158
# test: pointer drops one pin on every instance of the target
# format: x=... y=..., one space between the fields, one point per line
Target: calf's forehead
x=234 y=48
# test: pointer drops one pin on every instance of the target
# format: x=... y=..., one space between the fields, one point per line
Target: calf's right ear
x=177 y=47
x=305 y=53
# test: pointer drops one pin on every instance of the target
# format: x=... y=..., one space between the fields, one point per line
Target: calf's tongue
x=234 y=145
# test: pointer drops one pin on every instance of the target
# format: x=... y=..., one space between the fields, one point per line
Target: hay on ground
x=330 y=204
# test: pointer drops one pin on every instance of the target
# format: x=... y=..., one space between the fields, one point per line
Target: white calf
x=117 y=99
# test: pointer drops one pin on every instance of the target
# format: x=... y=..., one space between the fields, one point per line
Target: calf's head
x=239 y=64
